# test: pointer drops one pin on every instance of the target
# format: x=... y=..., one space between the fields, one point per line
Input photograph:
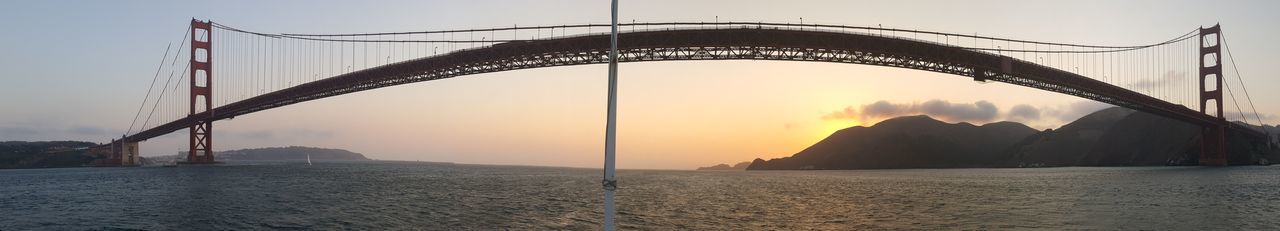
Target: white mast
x=610 y=130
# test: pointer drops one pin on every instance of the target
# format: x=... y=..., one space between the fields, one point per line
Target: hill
x=722 y=167
x=1124 y=137
x=44 y=154
x=1108 y=137
x=1067 y=145
x=292 y=153
x=906 y=142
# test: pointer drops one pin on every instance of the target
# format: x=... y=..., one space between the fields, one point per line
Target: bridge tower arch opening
x=201 y=134
x=1213 y=150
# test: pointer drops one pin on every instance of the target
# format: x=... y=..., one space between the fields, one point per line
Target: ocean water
x=432 y=196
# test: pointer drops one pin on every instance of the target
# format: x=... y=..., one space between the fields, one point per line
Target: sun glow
x=831 y=126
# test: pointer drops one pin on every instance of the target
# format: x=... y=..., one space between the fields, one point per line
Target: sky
x=77 y=70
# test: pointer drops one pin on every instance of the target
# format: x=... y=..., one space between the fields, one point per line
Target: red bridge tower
x=201 y=151
x=1213 y=142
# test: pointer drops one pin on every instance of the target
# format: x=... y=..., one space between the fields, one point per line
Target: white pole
x=611 y=124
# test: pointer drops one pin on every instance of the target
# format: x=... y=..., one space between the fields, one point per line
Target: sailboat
x=308 y=158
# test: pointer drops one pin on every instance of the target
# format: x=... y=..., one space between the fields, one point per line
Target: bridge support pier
x=1213 y=142
x=1213 y=146
x=114 y=154
x=128 y=154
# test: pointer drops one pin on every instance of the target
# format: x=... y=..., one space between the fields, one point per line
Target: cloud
x=1169 y=78
x=977 y=112
x=47 y=131
x=1023 y=113
x=981 y=111
x=1073 y=111
x=884 y=109
x=255 y=135
x=308 y=134
x=282 y=134
x=11 y=133
x=87 y=130
x=847 y=113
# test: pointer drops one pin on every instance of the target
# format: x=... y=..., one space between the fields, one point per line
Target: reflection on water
x=400 y=195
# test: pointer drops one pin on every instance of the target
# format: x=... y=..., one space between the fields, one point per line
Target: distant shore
x=67 y=154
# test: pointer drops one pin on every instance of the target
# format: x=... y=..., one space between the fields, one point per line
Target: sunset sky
x=76 y=70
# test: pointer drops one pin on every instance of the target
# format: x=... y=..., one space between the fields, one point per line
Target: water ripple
x=410 y=195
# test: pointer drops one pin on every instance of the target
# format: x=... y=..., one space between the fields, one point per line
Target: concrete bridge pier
x=115 y=154
x=127 y=152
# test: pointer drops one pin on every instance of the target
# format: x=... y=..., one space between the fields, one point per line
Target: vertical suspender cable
x=289 y=55
x=1240 y=78
x=149 y=88
x=257 y=65
x=342 y=58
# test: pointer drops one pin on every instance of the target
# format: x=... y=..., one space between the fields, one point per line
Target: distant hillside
x=906 y=142
x=1124 y=137
x=1109 y=137
x=292 y=153
x=1069 y=144
x=1145 y=139
x=44 y=154
x=739 y=166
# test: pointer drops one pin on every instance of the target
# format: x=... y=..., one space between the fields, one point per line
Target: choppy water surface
x=408 y=195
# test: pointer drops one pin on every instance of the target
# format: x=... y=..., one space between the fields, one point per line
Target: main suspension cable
x=325 y=37
x=1240 y=78
x=150 y=87
x=164 y=88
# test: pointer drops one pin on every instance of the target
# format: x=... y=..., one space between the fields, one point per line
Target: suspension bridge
x=1186 y=77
